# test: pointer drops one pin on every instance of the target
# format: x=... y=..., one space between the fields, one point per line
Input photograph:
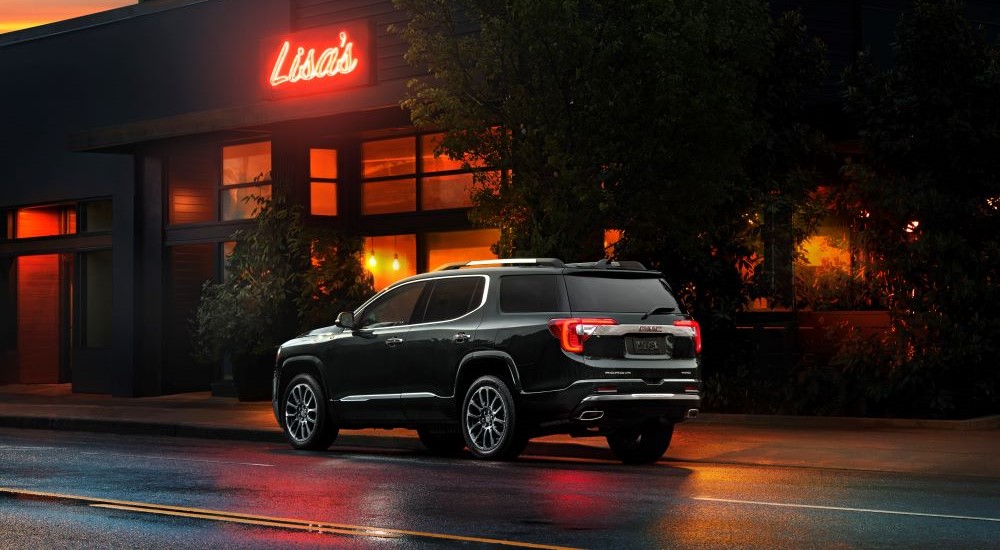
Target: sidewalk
x=964 y=448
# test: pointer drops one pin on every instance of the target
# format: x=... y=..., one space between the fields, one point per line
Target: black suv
x=484 y=358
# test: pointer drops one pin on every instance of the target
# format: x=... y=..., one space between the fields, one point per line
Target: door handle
x=461 y=337
x=393 y=342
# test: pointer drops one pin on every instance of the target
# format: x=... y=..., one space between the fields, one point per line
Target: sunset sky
x=20 y=14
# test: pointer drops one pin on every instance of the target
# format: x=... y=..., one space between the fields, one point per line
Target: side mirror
x=345 y=319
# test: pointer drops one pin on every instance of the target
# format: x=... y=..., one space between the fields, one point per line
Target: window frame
x=336 y=181
x=418 y=176
x=223 y=187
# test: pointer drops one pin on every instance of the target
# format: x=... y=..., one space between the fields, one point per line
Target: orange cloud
x=21 y=14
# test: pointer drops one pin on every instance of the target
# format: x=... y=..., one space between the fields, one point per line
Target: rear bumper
x=584 y=408
x=607 y=412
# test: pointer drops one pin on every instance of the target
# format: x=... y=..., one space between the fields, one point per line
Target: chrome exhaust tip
x=590 y=416
x=692 y=413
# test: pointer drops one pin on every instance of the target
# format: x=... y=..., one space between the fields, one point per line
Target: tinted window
x=617 y=294
x=530 y=293
x=453 y=298
x=394 y=308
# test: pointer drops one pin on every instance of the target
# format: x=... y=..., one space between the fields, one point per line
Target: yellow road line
x=270 y=521
x=314 y=528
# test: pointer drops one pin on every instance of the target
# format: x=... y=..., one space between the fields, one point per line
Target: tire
x=641 y=444
x=443 y=443
x=304 y=419
x=489 y=421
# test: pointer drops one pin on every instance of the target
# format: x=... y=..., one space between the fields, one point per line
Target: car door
x=367 y=383
x=435 y=346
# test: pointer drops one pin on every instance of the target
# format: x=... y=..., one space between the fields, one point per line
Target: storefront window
x=611 y=238
x=323 y=187
x=228 y=247
x=382 y=192
x=389 y=157
x=97 y=215
x=452 y=191
x=245 y=168
x=8 y=226
x=386 y=197
x=395 y=182
x=391 y=258
x=431 y=163
x=45 y=221
x=460 y=246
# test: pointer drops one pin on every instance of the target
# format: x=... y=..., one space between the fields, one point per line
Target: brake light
x=697 y=331
x=574 y=331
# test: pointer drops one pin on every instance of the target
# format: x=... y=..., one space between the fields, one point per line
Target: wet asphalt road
x=130 y=491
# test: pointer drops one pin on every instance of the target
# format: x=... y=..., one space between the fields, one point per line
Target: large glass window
x=97 y=215
x=391 y=258
x=394 y=180
x=323 y=184
x=45 y=221
x=446 y=247
x=383 y=192
x=246 y=172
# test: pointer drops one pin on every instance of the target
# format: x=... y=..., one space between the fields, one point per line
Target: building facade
x=129 y=139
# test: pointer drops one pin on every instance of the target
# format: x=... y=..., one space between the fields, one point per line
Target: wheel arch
x=301 y=364
x=481 y=363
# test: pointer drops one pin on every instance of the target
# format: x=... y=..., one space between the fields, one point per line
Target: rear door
x=447 y=330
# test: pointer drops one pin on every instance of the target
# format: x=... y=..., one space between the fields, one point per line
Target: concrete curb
x=131 y=427
x=345 y=440
x=847 y=423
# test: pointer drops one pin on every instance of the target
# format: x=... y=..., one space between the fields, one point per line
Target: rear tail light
x=697 y=331
x=574 y=331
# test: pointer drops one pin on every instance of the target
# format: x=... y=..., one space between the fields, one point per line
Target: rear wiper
x=658 y=309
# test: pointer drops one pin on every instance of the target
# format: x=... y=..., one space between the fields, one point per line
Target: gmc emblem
x=649 y=328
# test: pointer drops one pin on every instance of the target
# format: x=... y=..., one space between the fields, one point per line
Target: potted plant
x=281 y=279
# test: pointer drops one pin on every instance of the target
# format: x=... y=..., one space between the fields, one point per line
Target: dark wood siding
x=390 y=48
x=190 y=266
x=192 y=176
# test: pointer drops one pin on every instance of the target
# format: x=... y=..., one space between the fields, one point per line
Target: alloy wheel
x=486 y=419
x=301 y=412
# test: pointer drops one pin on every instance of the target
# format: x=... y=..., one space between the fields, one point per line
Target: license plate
x=650 y=345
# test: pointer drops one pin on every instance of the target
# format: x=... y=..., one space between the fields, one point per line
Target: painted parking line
x=846 y=509
x=267 y=521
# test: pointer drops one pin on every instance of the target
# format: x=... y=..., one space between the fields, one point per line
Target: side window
x=453 y=297
x=531 y=293
x=395 y=308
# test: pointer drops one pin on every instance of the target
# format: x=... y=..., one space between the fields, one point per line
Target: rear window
x=530 y=294
x=617 y=294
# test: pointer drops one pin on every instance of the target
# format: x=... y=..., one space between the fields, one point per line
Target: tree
x=282 y=278
x=671 y=120
x=927 y=209
x=589 y=114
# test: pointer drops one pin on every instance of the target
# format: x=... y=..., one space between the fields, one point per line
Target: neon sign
x=317 y=60
x=304 y=66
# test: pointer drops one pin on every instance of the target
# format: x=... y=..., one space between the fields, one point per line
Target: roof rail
x=515 y=262
x=608 y=264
